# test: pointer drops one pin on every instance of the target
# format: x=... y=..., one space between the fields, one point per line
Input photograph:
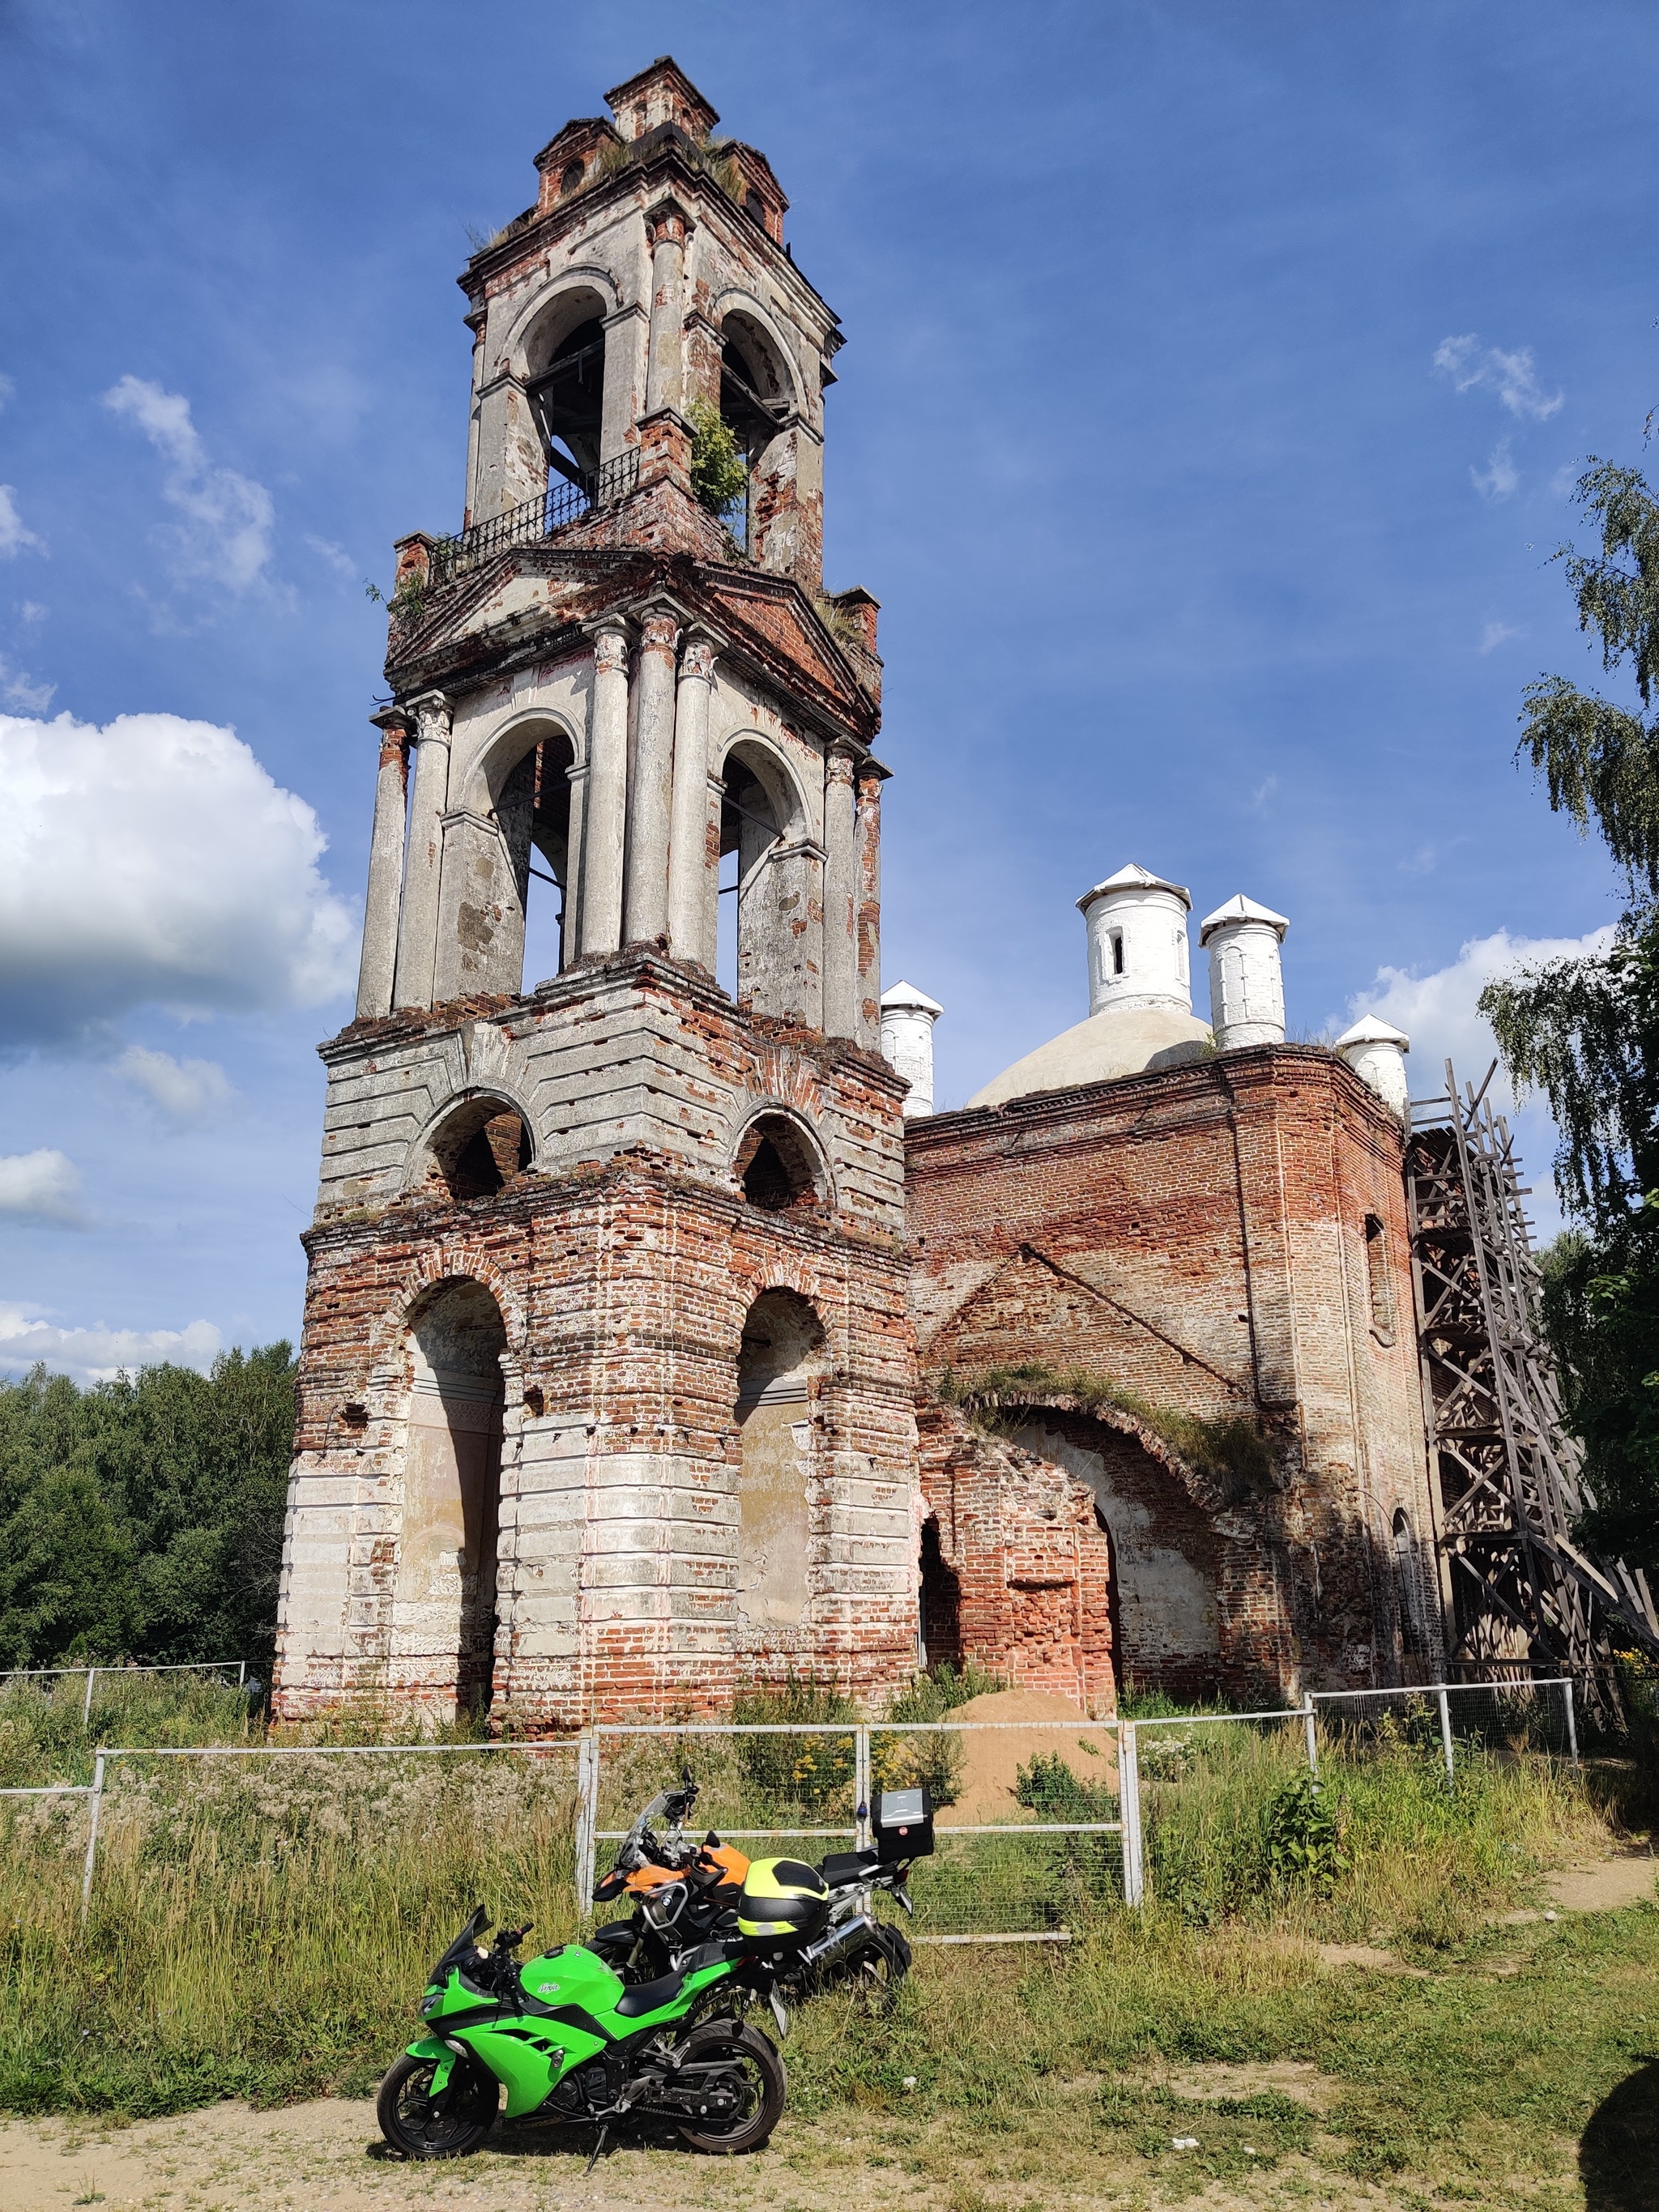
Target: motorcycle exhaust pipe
x=844 y=1938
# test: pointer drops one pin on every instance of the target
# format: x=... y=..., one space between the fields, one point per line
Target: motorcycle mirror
x=685 y=1776
x=778 y=2012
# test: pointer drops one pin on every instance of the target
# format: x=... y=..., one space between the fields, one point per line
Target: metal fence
x=1018 y=1856
x=124 y=1673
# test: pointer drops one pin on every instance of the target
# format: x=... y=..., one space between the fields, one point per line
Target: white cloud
x=1513 y=377
x=154 y=861
x=31 y=610
x=1495 y=633
x=14 y=536
x=225 y=534
x=1438 y=1014
x=1501 y=475
x=99 y=1354
x=43 y=1185
x=184 y=1089
x=22 y=690
x=7 y=388
x=334 y=556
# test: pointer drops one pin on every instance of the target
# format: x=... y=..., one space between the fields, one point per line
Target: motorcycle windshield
x=461 y=1952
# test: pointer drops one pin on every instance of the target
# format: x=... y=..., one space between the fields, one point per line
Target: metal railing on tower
x=564 y=501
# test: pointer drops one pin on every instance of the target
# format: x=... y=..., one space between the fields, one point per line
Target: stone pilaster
x=417 y=928
x=378 y=969
x=605 y=809
x=868 y=916
x=693 y=875
x=841 y=977
x=645 y=915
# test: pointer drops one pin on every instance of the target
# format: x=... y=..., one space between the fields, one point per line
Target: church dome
x=1141 y=998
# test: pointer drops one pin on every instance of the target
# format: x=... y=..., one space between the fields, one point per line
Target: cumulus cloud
x=7 y=388
x=184 y=1089
x=1437 y=1010
x=1500 y=475
x=43 y=1185
x=14 y=536
x=227 y=519
x=99 y=1354
x=31 y=610
x=154 y=861
x=1512 y=377
x=1495 y=633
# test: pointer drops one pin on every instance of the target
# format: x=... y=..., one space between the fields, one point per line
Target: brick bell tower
x=607 y=1387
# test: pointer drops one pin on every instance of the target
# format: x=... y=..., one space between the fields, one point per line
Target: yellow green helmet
x=783 y=1902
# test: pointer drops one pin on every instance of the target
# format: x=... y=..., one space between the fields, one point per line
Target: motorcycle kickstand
x=605 y=2130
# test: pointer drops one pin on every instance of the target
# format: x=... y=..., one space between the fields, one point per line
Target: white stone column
x=693 y=872
x=908 y=1016
x=605 y=813
x=841 y=958
x=418 y=926
x=1376 y=1053
x=670 y=226
x=645 y=909
x=1247 y=982
x=1138 y=957
x=377 y=970
x=866 y=919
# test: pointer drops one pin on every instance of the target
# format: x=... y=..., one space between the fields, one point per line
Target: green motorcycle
x=570 y=2043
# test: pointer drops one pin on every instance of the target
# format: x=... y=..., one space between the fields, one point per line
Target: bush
x=806 y=1771
x=1051 y=1790
x=1302 y=1835
x=719 y=476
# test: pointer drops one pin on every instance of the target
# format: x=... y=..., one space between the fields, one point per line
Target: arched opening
x=481 y=1148
x=756 y=402
x=1162 y=1592
x=444 y=1632
x=940 y=1593
x=780 y=1353
x=777 y=1166
x=1377 y=1280
x=758 y=956
x=530 y=801
x=567 y=388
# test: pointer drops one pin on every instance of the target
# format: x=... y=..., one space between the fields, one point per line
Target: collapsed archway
x=479 y=1148
x=777 y=1165
x=444 y=1617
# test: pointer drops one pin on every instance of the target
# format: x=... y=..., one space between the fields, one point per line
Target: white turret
x=1247 y=982
x=1137 y=926
x=908 y=1016
x=1376 y=1054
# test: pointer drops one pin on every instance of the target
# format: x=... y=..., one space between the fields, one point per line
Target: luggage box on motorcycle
x=904 y=1824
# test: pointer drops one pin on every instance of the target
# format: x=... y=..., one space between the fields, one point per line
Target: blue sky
x=1187 y=549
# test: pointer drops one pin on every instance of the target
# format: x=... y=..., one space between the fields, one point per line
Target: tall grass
x=264 y=1925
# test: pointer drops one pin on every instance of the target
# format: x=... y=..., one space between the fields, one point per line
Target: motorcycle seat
x=650 y=1996
x=843 y=1867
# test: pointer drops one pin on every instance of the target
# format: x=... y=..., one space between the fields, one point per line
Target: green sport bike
x=570 y=2043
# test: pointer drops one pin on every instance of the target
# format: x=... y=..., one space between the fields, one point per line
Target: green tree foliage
x=142 y=1518
x=719 y=476
x=1586 y=1031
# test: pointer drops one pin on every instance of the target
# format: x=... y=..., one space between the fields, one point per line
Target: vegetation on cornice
x=1236 y=1448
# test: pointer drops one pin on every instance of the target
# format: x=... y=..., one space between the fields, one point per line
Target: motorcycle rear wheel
x=740 y=2059
x=419 y=2124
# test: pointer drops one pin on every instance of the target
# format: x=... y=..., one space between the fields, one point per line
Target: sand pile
x=991 y=1760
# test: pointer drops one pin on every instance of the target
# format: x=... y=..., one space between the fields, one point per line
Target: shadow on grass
x=1618 y=2151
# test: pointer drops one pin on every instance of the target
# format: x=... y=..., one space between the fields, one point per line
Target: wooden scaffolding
x=1522 y=1598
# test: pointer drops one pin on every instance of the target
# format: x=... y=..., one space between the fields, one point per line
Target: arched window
x=755 y=403
x=1408 y=1587
x=570 y=176
x=763 y=883
x=777 y=1165
x=566 y=387
x=481 y=1148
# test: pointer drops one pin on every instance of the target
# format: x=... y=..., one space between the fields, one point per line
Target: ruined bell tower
x=606 y=1388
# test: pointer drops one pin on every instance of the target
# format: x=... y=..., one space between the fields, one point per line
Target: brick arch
x=447 y=1263
x=1204 y=1490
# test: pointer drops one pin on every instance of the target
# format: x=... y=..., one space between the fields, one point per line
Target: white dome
x=1123 y=1041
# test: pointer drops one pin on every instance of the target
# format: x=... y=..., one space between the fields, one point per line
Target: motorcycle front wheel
x=419 y=2124
x=735 y=2081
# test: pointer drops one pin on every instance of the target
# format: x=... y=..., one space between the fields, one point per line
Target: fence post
x=861 y=1786
x=1311 y=1732
x=1445 y=1730
x=1128 y=1811
x=588 y=1816
x=1572 y=1724
x=86 y=1710
x=95 y=1806
x=241 y=1674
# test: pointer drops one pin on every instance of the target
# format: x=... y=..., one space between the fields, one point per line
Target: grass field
x=263 y=1929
